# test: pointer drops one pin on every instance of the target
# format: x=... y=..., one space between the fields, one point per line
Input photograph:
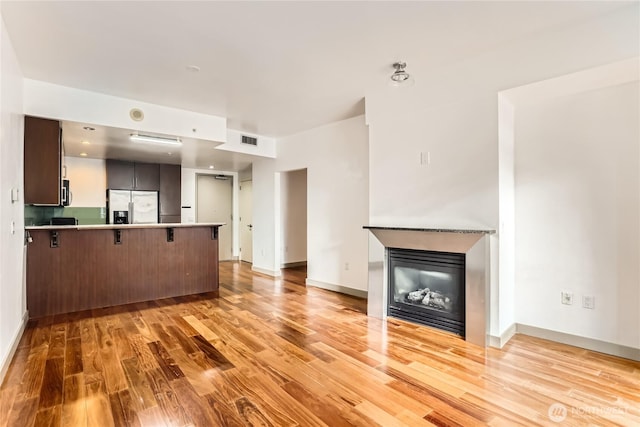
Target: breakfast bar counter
x=80 y=267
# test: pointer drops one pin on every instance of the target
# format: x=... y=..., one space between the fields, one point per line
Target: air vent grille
x=249 y=140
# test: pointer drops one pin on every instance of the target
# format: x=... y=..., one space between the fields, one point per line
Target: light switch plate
x=567 y=298
x=15 y=195
x=589 y=301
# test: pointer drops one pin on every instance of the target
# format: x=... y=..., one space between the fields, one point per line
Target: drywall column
x=12 y=289
x=505 y=296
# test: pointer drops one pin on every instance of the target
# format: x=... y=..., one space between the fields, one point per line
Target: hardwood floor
x=275 y=353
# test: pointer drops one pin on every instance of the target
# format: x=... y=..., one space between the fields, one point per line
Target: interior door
x=246 y=221
x=213 y=204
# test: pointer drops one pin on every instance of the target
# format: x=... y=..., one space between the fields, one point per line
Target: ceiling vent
x=249 y=140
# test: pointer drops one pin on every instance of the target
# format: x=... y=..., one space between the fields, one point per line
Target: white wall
x=506 y=232
x=293 y=214
x=452 y=113
x=189 y=197
x=87 y=180
x=458 y=188
x=266 y=224
x=12 y=289
x=335 y=157
x=577 y=210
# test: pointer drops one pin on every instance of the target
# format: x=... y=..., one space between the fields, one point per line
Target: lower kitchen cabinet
x=72 y=269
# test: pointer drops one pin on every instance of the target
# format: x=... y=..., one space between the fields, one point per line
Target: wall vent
x=249 y=140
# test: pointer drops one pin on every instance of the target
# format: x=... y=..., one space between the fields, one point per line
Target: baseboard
x=14 y=346
x=499 y=342
x=582 y=342
x=294 y=264
x=272 y=273
x=337 y=288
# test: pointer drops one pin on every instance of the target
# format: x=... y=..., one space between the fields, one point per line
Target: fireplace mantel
x=429 y=239
x=432 y=230
x=471 y=242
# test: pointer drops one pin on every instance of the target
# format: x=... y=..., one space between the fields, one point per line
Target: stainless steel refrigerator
x=142 y=206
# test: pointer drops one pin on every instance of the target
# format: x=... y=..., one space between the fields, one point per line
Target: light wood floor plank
x=272 y=352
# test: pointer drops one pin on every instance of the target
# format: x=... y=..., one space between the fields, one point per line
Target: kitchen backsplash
x=40 y=215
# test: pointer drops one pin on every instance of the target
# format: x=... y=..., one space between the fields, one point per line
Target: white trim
x=499 y=342
x=14 y=346
x=582 y=342
x=272 y=273
x=336 y=288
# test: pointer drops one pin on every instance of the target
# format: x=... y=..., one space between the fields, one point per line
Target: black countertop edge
x=432 y=230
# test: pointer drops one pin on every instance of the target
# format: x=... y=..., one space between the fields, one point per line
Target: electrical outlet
x=346 y=266
x=589 y=301
x=567 y=297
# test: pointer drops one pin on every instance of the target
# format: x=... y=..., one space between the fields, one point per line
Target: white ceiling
x=270 y=68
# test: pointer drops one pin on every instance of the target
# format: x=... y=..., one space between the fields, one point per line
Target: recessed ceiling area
x=114 y=143
x=270 y=68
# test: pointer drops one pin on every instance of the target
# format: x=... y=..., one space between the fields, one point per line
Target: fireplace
x=471 y=271
x=427 y=287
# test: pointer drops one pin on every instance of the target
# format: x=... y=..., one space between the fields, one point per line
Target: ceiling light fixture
x=83 y=154
x=400 y=77
x=155 y=139
x=89 y=128
x=86 y=143
x=211 y=167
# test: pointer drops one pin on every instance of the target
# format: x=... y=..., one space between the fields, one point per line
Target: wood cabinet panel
x=42 y=156
x=89 y=271
x=170 y=190
x=147 y=176
x=120 y=175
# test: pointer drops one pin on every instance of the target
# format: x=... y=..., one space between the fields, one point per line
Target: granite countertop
x=123 y=226
x=432 y=230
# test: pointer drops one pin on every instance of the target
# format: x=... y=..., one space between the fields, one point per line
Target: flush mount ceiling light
x=155 y=139
x=400 y=77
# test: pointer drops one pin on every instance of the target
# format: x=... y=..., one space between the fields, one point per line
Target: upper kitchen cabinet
x=170 y=193
x=120 y=175
x=123 y=175
x=42 y=159
x=146 y=177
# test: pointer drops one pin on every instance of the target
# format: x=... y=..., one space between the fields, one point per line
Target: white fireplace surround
x=473 y=243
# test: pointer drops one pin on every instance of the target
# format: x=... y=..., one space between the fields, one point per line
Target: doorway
x=293 y=208
x=214 y=196
x=246 y=221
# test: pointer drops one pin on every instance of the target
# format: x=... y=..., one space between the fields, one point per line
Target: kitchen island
x=82 y=267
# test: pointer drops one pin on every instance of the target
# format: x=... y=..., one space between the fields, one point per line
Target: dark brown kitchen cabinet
x=42 y=159
x=88 y=270
x=122 y=175
x=146 y=176
x=170 y=192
